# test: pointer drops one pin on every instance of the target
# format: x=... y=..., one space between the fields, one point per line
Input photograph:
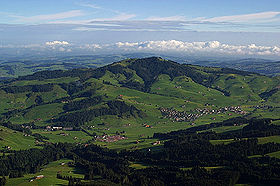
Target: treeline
x=82 y=104
x=114 y=169
x=119 y=69
x=29 y=88
x=18 y=128
x=255 y=128
x=133 y=85
x=72 y=180
x=197 y=151
x=225 y=92
x=3 y=181
x=74 y=87
x=166 y=166
x=39 y=137
x=25 y=128
x=30 y=161
x=230 y=71
x=83 y=74
x=86 y=94
x=266 y=95
x=119 y=108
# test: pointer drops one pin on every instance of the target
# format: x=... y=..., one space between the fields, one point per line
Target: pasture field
x=64 y=136
x=16 y=140
x=49 y=172
x=263 y=140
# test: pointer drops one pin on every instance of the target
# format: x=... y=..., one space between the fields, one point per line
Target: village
x=108 y=139
x=184 y=116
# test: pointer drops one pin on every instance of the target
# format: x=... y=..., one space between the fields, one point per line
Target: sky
x=239 y=27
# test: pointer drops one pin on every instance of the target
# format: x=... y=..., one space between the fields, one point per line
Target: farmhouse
x=107 y=138
x=57 y=128
x=156 y=143
x=39 y=177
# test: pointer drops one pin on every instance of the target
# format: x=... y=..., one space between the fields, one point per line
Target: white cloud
x=171 y=18
x=90 y=47
x=61 y=46
x=52 y=43
x=211 y=47
x=105 y=22
x=49 y=17
x=257 y=17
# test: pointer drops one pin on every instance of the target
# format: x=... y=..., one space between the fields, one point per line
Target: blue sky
x=88 y=22
x=247 y=15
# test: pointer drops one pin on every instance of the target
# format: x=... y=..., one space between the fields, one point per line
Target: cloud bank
x=208 y=48
x=214 y=47
x=52 y=43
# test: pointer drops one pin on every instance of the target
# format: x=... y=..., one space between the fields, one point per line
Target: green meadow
x=49 y=172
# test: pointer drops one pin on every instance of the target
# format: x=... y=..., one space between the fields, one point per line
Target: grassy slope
x=49 y=172
x=70 y=136
x=15 y=139
x=187 y=89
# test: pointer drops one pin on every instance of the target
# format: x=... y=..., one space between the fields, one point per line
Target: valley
x=146 y=106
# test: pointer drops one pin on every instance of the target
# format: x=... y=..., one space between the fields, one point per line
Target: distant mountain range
x=262 y=66
x=10 y=68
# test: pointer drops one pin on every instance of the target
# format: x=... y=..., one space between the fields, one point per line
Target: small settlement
x=185 y=116
x=107 y=138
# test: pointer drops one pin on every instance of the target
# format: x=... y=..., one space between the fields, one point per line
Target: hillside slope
x=133 y=98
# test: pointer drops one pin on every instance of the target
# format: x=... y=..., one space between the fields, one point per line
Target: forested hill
x=148 y=69
x=140 y=74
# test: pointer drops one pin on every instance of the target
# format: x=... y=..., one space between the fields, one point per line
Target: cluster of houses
x=107 y=138
x=188 y=117
x=53 y=128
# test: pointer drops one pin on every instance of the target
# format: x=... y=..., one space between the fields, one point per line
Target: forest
x=180 y=162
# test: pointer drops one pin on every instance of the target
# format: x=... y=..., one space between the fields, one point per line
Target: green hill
x=133 y=98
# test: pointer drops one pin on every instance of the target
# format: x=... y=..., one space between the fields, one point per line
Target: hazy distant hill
x=25 y=66
x=262 y=66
